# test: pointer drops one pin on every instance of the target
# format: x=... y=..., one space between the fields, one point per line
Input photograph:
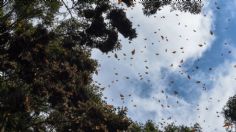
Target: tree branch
x=68 y=9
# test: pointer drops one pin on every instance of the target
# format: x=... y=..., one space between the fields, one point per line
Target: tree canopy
x=46 y=67
x=229 y=112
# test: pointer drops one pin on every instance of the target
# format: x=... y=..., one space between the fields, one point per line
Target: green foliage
x=150 y=127
x=135 y=127
x=173 y=128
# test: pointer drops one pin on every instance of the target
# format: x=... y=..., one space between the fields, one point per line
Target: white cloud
x=223 y=88
x=150 y=107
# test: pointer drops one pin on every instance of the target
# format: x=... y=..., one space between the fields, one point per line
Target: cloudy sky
x=180 y=72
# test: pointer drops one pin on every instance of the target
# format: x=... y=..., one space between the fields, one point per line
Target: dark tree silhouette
x=46 y=69
x=150 y=7
x=229 y=112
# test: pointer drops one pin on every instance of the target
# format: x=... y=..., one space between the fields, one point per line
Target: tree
x=151 y=7
x=174 y=128
x=46 y=69
x=229 y=112
x=150 y=126
x=135 y=127
x=197 y=128
x=230 y=109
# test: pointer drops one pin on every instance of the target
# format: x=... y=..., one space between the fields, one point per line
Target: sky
x=180 y=72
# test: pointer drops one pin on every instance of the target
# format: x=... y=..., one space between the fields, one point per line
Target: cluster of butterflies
x=132 y=54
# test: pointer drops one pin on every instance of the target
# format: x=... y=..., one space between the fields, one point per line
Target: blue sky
x=150 y=82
